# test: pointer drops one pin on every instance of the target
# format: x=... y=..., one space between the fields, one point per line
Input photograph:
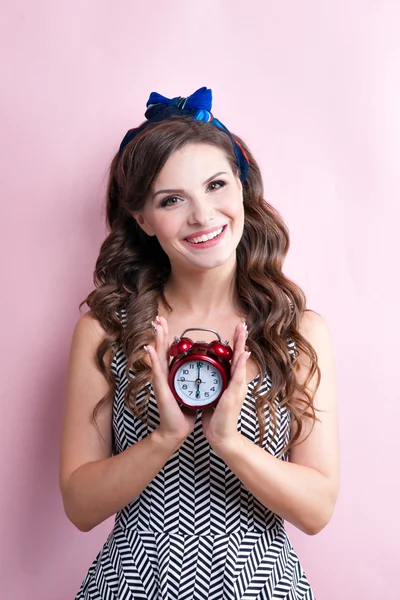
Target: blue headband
x=198 y=107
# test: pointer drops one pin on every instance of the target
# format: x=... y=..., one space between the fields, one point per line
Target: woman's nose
x=201 y=213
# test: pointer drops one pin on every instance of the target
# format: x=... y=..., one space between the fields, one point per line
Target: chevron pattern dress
x=195 y=532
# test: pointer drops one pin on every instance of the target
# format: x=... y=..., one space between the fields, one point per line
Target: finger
x=239 y=343
x=238 y=374
x=160 y=383
x=164 y=324
x=236 y=390
x=236 y=335
x=162 y=343
x=155 y=361
x=235 y=393
x=159 y=343
x=164 y=347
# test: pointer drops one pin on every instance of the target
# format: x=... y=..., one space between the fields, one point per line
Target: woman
x=200 y=497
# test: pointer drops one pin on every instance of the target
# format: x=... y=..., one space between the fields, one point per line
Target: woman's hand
x=175 y=422
x=220 y=422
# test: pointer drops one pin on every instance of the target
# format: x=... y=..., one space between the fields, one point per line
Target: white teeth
x=205 y=238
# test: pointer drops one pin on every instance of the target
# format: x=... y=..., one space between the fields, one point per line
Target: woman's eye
x=170 y=201
x=173 y=200
x=216 y=185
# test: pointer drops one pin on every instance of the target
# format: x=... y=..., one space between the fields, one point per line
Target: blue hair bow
x=198 y=107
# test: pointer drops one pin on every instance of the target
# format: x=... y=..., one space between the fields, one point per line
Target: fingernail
x=145 y=348
x=244 y=325
x=248 y=354
x=158 y=319
x=154 y=328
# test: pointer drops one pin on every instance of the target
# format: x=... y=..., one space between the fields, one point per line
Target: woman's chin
x=212 y=262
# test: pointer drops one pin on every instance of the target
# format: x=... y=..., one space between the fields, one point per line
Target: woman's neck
x=202 y=293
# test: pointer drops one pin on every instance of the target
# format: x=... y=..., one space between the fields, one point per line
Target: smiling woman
x=199 y=213
x=200 y=497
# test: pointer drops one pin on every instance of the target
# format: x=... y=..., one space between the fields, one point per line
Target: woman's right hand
x=176 y=422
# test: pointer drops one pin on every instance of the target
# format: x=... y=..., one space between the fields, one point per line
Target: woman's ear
x=141 y=221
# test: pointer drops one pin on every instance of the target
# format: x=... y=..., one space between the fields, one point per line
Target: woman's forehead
x=191 y=163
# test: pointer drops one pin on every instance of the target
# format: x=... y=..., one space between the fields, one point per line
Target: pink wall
x=314 y=88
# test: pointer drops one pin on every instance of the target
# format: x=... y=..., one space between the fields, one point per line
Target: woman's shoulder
x=312 y=324
x=87 y=337
x=89 y=325
x=315 y=330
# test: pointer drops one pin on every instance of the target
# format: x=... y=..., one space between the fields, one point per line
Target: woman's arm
x=95 y=485
x=304 y=490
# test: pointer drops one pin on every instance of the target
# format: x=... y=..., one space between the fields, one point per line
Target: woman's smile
x=202 y=240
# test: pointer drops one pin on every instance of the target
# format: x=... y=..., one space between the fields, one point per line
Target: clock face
x=198 y=382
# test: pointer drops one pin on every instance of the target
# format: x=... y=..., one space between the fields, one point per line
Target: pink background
x=314 y=88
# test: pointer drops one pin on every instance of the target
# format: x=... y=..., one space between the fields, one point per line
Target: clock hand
x=198 y=382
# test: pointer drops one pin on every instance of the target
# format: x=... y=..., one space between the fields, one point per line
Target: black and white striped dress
x=195 y=532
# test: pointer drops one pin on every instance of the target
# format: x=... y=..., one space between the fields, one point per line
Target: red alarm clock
x=199 y=372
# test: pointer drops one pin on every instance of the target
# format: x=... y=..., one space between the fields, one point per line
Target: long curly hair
x=132 y=268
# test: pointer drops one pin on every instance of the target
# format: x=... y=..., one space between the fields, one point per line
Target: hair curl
x=132 y=268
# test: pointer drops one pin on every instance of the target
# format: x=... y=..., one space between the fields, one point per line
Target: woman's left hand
x=220 y=422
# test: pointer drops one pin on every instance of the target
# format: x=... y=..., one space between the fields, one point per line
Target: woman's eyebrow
x=180 y=191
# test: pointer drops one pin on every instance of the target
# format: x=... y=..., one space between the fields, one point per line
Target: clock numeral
x=191 y=366
x=190 y=392
x=215 y=380
x=182 y=379
x=213 y=373
x=199 y=365
x=212 y=389
x=186 y=371
x=207 y=394
x=184 y=387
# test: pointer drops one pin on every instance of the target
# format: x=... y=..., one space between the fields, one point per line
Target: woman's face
x=195 y=208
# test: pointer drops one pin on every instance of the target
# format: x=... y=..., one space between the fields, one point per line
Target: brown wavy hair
x=132 y=268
